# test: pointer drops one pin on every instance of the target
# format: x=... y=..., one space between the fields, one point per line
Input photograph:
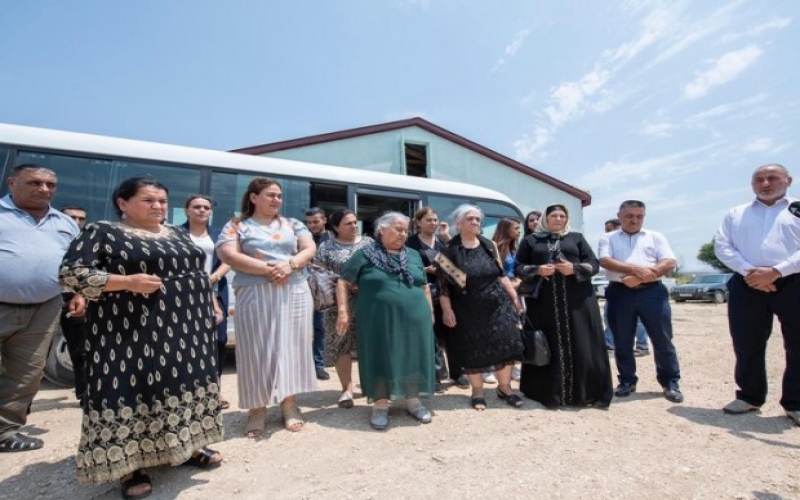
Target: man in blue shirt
x=760 y=241
x=635 y=259
x=33 y=239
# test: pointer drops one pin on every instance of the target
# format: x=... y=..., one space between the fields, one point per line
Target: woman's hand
x=142 y=283
x=430 y=269
x=565 y=267
x=76 y=307
x=546 y=270
x=448 y=317
x=278 y=272
x=342 y=323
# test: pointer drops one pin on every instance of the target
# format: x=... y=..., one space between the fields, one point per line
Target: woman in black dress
x=152 y=384
x=429 y=239
x=480 y=304
x=561 y=264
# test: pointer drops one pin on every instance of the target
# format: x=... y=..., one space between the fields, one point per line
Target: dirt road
x=642 y=447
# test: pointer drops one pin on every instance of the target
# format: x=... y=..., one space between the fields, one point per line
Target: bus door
x=372 y=203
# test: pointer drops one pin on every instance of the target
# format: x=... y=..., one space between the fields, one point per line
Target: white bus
x=89 y=167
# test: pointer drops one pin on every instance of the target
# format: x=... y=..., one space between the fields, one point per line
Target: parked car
x=711 y=287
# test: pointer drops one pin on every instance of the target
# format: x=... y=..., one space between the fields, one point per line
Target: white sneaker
x=489 y=378
x=516 y=373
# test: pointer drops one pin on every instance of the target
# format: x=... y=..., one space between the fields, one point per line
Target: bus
x=89 y=167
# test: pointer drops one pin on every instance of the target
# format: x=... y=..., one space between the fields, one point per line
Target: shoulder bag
x=322 y=282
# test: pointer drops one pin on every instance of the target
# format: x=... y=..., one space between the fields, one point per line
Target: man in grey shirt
x=33 y=239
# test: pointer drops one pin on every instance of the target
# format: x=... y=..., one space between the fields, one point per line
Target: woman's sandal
x=205 y=458
x=292 y=419
x=512 y=399
x=131 y=488
x=255 y=423
x=478 y=403
x=345 y=400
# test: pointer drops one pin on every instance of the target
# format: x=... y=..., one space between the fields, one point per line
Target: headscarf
x=543 y=230
x=376 y=253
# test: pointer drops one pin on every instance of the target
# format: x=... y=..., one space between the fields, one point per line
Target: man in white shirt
x=760 y=241
x=635 y=259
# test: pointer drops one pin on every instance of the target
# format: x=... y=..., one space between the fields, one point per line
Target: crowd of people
x=144 y=308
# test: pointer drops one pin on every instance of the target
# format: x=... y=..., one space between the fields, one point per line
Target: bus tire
x=58 y=367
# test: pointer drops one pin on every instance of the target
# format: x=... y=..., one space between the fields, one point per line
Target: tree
x=707 y=256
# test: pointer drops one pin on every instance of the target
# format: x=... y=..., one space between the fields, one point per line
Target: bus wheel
x=58 y=367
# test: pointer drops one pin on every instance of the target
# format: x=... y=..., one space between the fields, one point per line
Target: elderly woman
x=273 y=305
x=480 y=303
x=152 y=393
x=566 y=310
x=198 y=208
x=395 y=326
x=333 y=253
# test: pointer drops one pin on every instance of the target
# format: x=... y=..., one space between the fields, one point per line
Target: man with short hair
x=33 y=240
x=316 y=222
x=642 y=347
x=73 y=327
x=635 y=259
x=760 y=241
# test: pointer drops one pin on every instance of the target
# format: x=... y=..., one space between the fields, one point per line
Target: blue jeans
x=626 y=306
x=318 y=346
x=641 y=333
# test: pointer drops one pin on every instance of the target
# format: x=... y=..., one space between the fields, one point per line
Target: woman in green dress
x=395 y=321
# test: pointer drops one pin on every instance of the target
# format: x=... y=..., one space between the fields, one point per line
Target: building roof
x=582 y=195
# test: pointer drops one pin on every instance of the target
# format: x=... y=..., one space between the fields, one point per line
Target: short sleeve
x=300 y=229
x=663 y=250
x=227 y=234
x=352 y=268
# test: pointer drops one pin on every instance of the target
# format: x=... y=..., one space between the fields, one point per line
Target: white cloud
x=567 y=98
x=723 y=70
x=512 y=48
x=658 y=129
x=771 y=25
x=725 y=109
x=759 y=145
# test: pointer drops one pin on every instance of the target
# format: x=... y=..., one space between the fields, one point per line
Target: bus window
x=228 y=188
x=329 y=197
x=92 y=181
x=372 y=206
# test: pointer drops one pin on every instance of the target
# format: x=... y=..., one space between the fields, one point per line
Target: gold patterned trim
x=454 y=272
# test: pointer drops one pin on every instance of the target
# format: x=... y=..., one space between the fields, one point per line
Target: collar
x=8 y=203
x=780 y=202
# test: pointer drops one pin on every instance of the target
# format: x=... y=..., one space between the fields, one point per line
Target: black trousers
x=74 y=330
x=750 y=316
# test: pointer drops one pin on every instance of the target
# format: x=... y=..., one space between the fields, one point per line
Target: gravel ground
x=642 y=447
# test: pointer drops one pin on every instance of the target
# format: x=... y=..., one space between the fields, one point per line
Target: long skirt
x=274 y=333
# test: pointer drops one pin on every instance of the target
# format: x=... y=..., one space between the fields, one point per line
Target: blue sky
x=674 y=102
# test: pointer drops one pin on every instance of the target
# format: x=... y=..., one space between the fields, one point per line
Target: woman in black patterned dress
x=152 y=385
x=565 y=309
x=480 y=304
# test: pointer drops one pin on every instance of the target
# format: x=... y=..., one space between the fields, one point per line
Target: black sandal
x=20 y=442
x=512 y=399
x=478 y=403
x=138 y=478
x=204 y=459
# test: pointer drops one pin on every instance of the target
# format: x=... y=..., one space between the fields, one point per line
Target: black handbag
x=536 y=350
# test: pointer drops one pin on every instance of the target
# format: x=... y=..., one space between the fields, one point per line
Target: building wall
x=384 y=152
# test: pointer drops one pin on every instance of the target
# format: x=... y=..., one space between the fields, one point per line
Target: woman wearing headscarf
x=395 y=321
x=561 y=264
x=480 y=304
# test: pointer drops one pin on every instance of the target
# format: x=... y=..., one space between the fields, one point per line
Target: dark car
x=711 y=287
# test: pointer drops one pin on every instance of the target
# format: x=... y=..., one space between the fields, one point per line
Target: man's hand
x=762 y=278
x=632 y=281
x=645 y=274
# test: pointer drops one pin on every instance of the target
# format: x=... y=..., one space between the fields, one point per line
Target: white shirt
x=645 y=248
x=206 y=244
x=757 y=235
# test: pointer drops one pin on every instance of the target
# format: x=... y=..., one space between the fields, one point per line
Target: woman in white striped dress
x=273 y=305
